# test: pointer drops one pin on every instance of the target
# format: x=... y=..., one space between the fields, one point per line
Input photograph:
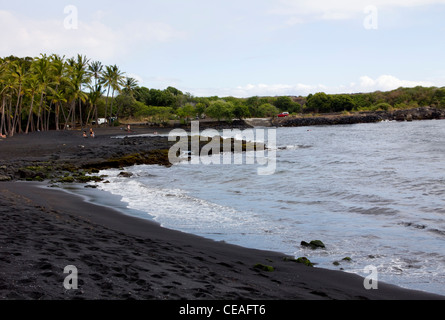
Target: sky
x=241 y=48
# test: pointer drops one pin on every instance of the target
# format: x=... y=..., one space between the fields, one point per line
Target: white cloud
x=364 y=84
x=388 y=82
x=308 y=10
x=24 y=36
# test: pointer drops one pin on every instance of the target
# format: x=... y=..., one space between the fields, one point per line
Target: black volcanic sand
x=43 y=230
x=68 y=150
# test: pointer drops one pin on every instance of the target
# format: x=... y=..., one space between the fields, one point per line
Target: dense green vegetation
x=54 y=92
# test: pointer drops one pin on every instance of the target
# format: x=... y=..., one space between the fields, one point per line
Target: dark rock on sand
x=5 y=178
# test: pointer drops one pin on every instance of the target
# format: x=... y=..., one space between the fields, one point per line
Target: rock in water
x=125 y=174
x=314 y=244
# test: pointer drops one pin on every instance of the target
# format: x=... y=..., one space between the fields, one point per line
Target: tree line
x=401 y=98
x=54 y=92
x=169 y=104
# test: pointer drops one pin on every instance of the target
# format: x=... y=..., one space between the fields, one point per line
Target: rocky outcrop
x=424 y=113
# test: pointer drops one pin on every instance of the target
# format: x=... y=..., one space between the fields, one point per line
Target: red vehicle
x=283 y=114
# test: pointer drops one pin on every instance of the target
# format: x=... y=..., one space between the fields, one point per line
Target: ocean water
x=371 y=192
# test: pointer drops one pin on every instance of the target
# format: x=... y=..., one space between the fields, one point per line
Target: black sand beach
x=43 y=230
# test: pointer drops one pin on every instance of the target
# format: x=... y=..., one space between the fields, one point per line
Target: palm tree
x=33 y=86
x=129 y=85
x=19 y=74
x=58 y=77
x=112 y=78
x=7 y=82
x=57 y=98
x=95 y=68
x=3 y=89
x=95 y=93
x=47 y=85
x=40 y=68
x=78 y=78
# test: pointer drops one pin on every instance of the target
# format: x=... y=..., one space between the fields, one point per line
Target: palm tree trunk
x=73 y=114
x=30 y=115
x=2 y=122
x=106 y=103
x=56 y=117
x=89 y=113
x=40 y=110
x=9 y=116
x=19 y=117
x=42 y=126
x=47 y=119
x=14 y=120
x=95 y=112
x=80 y=113
x=111 y=107
x=65 y=118
x=43 y=118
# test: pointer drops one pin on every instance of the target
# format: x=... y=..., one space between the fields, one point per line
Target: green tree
x=342 y=102
x=112 y=78
x=33 y=86
x=94 y=95
x=253 y=103
x=240 y=111
x=58 y=79
x=285 y=103
x=174 y=91
x=18 y=72
x=219 y=110
x=57 y=98
x=438 y=98
x=186 y=112
x=78 y=77
x=267 y=110
x=41 y=70
x=142 y=94
x=319 y=102
x=129 y=86
x=95 y=69
x=200 y=108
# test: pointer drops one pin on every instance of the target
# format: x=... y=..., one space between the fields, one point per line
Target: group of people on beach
x=92 y=135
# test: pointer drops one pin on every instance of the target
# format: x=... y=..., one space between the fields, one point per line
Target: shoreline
x=416 y=114
x=124 y=257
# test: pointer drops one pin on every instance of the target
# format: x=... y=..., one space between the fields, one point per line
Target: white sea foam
x=175 y=208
